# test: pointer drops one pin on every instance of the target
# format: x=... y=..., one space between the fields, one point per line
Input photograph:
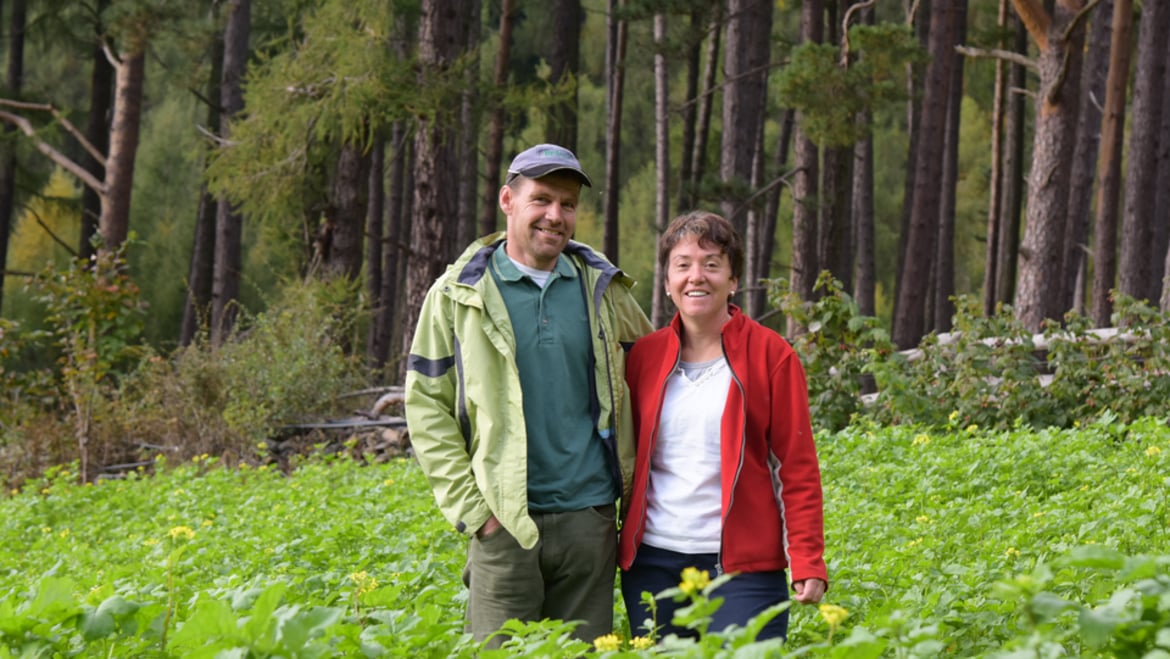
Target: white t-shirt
x=684 y=501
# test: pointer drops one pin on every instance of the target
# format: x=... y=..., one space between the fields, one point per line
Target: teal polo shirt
x=567 y=468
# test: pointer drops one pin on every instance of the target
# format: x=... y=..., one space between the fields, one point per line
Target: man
x=518 y=408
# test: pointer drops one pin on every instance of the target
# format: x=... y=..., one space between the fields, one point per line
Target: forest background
x=174 y=171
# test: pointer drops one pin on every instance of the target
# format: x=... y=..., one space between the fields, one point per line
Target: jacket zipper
x=739 y=465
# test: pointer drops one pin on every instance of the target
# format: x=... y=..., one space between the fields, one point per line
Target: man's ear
x=506 y=199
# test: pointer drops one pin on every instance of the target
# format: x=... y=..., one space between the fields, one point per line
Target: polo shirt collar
x=508 y=271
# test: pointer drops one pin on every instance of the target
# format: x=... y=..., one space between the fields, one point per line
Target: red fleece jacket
x=772 y=501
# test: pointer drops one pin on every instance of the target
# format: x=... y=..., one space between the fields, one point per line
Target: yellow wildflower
x=641 y=643
x=182 y=533
x=1154 y=450
x=694 y=580
x=954 y=415
x=922 y=519
x=921 y=439
x=1012 y=552
x=607 y=643
x=914 y=543
x=363 y=582
x=207 y=522
x=833 y=614
x=388 y=481
x=64 y=533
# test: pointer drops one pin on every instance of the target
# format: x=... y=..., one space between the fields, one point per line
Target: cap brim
x=544 y=170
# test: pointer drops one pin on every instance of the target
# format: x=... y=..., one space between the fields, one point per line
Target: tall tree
x=1076 y=236
x=469 y=123
x=14 y=82
x=97 y=131
x=804 y=266
x=995 y=176
x=201 y=274
x=1139 y=276
x=1109 y=165
x=921 y=243
x=1012 y=197
x=564 y=60
x=943 y=282
x=442 y=37
x=615 y=83
x=745 y=65
x=1059 y=37
x=698 y=154
x=495 y=142
x=225 y=290
x=658 y=312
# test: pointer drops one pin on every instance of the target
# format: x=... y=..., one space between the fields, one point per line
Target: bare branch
x=1081 y=16
x=845 y=28
x=69 y=127
x=56 y=156
x=996 y=53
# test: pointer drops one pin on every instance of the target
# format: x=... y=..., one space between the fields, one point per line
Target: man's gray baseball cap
x=544 y=159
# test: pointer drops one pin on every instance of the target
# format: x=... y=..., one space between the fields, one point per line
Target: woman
x=726 y=478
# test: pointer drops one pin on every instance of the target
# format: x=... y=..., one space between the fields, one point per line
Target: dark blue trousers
x=744 y=596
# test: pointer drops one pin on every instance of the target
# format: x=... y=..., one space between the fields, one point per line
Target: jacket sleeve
x=631 y=325
x=799 y=472
x=441 y=441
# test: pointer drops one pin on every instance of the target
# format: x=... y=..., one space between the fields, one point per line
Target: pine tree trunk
x=1137 y=273
x=495 y=143
x=658 y=311
x=97 y=132
x=1011 y=206
x=15 y=79
x=921 y=244
x=565 y=63
x=943 y=282
x=443 y=26
x=1052 y=149
x=228 y=230
x=615 y=68
x=804 y=188
x=1076 y=236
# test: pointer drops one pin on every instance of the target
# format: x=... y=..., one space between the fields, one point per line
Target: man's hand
x=489 y=527
x=808 y=591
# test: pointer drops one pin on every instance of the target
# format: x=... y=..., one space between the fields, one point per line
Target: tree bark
x=114 y=224
x=197 y=305
x=918 y=17
x=995 y=220
x=1138 y=274
x=15 y=81
x=469 y=123
x=346 y=214
x=658 y=312
x=703 y=121
x=1052 y=149
x=1076 y=236
x=375 y=237
x=804 y=189
x=393 y=254
x=686 y=190
x=565 y=62
x=921 y=244
x=944 y=258
x=97 y=132
x=745 y=62
x=495 y=142
x=615 y=76
x=758 y=295
x=1011 y=206
x=443 y=26
x=1109 y=165
x=228 y=230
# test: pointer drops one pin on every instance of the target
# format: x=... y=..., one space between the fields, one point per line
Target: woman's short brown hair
x=711 y=230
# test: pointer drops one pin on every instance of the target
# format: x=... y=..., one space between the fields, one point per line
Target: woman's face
x=699 y=280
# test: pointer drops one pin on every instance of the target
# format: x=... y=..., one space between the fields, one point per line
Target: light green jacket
x=464 y=406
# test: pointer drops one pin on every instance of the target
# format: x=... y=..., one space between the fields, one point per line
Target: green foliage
x=338 y=82
x=283 y=366
x=988 y=372
x=964 y=542
x=831 y=96
x=836 y=349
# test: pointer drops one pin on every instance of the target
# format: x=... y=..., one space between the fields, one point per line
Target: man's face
x=542 y=216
